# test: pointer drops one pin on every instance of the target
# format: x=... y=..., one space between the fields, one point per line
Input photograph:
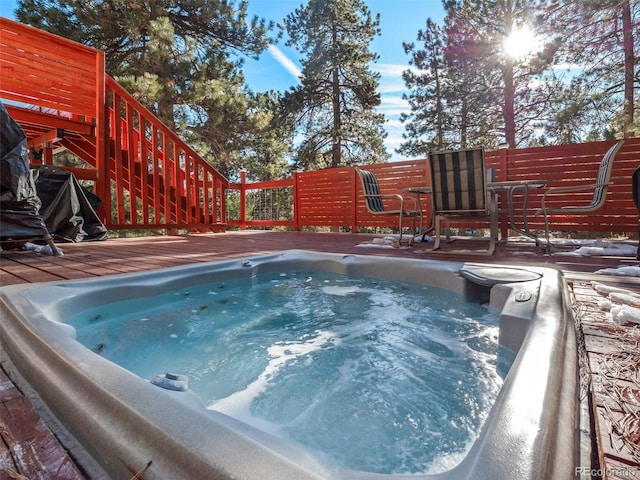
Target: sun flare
x=521 y=42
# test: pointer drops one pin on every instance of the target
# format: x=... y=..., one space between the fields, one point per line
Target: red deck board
x=28 y=447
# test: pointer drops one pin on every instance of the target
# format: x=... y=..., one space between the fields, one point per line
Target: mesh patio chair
x=459 y=190
x=376 y=205
x=599 y=189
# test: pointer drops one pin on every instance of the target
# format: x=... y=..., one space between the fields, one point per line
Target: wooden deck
x=126 y=255
x=610 y=370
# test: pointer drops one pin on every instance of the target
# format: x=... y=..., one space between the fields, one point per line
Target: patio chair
x=599 y=189
x=459 y=190
x=376 y=205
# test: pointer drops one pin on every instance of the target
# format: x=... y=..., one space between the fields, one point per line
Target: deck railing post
x=296 y=221
x=103 y=184
x=503 y=177
x=354 y=202
x=243 y=199
x=221 y=197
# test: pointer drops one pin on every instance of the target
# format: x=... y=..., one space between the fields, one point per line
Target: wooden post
x=47 y=154
x=103 y=185
x=296 y=220
x=504 y=176
x=221 y=196
x=354 y=201
x=243 y=199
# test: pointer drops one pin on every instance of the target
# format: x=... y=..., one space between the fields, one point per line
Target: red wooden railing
x=262 y=204
x=343 y=193
x=330 y=197
x=50 y=72
x=59 y=93
x=52 y=85
x=158 y=181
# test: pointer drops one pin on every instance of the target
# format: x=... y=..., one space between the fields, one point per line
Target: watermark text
x=616 y=472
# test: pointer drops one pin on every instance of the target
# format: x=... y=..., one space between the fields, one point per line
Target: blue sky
x=400 y=21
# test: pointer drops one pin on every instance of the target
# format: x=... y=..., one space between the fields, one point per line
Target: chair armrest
x=412 y=200
x=402 y=200
x=392 y=195
x=573 y=188
x=397 y=197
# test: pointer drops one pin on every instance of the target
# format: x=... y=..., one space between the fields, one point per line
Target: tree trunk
x=335 y=100
x=629 y=65
x=508 y=107
x=439 y=101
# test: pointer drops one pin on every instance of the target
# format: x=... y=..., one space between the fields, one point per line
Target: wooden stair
x=145 y=175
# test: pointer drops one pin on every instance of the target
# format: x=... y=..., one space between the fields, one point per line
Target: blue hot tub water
x=369 y=374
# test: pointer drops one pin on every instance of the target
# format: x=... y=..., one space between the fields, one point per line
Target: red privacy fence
x=333 y=197
x=577 y=164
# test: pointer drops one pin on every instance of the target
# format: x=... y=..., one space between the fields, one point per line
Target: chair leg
x=415 y=232
x=447 y=230
x=546 y=230
x=410 y=242
x=426 y=231
x=493 y=234
x=436 y=241
x=493 y=238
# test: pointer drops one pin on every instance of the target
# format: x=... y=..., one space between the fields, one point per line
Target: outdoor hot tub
x=127 y=424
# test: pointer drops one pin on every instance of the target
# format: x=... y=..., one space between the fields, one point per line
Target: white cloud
x=393 y=69
x=285 y=61
x=395 y=123
x=392 y=106
x=394 y=102
x=390 y=69
x=391 y=76
x=392 y=85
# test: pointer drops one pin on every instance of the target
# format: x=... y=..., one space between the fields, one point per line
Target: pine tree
x=513 y=83
x=427 y=126
x=334 y=107
x=474 y=93
x=488 y=97
x=454 y=96
x=179 y=58
x=601 y=37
